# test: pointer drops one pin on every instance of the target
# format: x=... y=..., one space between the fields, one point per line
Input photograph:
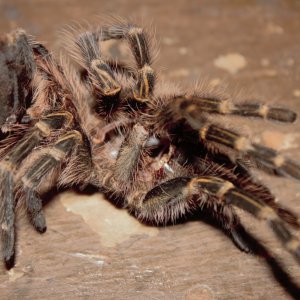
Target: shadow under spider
x=255 y=247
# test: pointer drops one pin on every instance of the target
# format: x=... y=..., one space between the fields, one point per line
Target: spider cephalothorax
x=107 y=124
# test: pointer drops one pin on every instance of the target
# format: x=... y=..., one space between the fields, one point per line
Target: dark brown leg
x=194 y=114
x=8 y=166
x=179 y=195
x=227 y=107
x=140 y=46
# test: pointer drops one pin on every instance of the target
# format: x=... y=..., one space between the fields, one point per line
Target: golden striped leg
x=227 y=107
x=87 y=52
x=50 y=158
x=269 y=158
x=8 y=169
x=177 y=196
x=227 y=192
x=140 y=46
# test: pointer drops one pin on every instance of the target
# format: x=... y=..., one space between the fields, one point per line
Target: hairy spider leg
x=9 y=166
x=86 y=50
x=51 y=88
x=177 y=194
x=17 y=65
x=99 y=74
x=227 y=192
x=52 y=97
x=129 y=156
x=193 y=114
x=23 y=58
x=50 y=158
x=227 y=107
x=140 y=46
x=268 y=157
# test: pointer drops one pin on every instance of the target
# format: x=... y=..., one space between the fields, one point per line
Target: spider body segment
x=109 y=125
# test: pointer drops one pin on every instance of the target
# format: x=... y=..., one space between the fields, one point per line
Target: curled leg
x=227 y=192
x=139 y=44
x=179 y=195
x=8 y=168
x=86 y=51
x=51 y=158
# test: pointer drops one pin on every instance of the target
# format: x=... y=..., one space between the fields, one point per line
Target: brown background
x=95 y=251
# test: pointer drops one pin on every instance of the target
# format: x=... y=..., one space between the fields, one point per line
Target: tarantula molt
x=114 y=126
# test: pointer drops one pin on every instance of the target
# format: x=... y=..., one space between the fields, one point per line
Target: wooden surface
x=93 y=250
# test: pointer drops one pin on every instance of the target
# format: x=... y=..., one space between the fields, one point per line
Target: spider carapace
x=105 y=123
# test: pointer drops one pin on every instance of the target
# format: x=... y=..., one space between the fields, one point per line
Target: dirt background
x=93 y=250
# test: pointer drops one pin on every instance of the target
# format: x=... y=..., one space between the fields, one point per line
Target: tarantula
x=107 y=124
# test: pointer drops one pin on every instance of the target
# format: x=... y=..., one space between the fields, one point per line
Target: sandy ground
x=93 y=250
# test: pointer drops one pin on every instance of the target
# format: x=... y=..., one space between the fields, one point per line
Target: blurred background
x=93 y=250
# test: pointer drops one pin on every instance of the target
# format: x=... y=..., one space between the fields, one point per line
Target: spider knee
x=103 y=78
x=54 y=121
x=166 y=201
x=145 y=83
x=51 y=158
x=69 y=140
